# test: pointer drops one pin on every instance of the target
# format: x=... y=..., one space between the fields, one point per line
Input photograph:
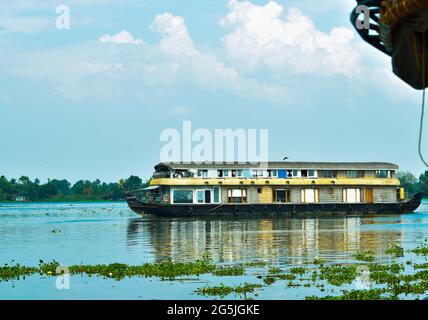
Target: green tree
x=423 y=183
x=408 y=181
x=133 y=183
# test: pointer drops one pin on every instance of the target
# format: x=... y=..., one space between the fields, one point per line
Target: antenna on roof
x=285 y=158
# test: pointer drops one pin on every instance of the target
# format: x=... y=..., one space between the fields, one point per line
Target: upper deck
x=276 y=173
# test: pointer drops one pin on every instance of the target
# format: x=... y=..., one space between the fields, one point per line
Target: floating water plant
x=365 y=256
x=223 y=290
x=15 y=272
x=394 y=280
x=397 y=251
x=373 y=294
x=274 y=270
x=422 y=250
x=230 y=271
x=298 y=270
x=338 y=275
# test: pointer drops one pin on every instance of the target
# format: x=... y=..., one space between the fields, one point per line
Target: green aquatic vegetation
x=269 y=280
x=274 y=270
x=286 y=277
x=421 y=275
x=48 y=268
x=422 y=250
x=420 y=266
x=396 y=251
x=412 y=288
x=164 y=270
x=365 y=256
x=318 y=261
x=393 y=268
x=255 y=263
x=15 y=272
x=387 y=281
x=298 y=270
x=292 y=284
x=371 y=294
x=229 y=271
x=222 y=290
x=338 y=275
x=384 y=277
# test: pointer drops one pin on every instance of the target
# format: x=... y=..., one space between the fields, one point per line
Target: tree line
x=25 y=189
x=411 y=184
x=84 y=190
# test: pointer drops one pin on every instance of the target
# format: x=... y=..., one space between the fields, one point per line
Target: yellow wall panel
x=266 y=195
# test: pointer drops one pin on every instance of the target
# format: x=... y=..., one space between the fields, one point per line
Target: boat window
x=182 y=174
x=355 y=174
x=203 y=173
x=216 y=195
x=296 y=173
x=207 y=196
x=200 y=196
x=351 y=195
x=272 y=173
x=311 y=173
x=289 y=173
x=304 y=173
x=220 y=173
x=327 y=174
x=281 y=195
x=225 y=173
x=310 y=195
x=383 y=174
x=182 y=196
x=236 y=195
x=236 y=173
x=257 y=173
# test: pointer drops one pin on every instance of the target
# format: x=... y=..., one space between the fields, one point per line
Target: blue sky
x=90 y=102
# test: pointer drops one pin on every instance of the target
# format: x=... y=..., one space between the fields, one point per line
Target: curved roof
x=280 y=165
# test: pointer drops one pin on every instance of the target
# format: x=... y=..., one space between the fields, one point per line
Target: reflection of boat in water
x=188 y=189
x=285 y=240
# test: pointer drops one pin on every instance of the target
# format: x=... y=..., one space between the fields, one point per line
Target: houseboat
x=190 y=189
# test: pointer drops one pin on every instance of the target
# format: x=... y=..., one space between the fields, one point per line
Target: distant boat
x=21 y=199
x=189 y=189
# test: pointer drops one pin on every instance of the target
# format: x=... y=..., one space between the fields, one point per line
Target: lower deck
x=270 y=194
x=240 y=209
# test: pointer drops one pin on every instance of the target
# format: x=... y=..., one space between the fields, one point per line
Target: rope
x=423 y=101
x=391 y=13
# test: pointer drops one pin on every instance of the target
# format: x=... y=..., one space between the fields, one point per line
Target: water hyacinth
x=394 y=280
x=223 y=290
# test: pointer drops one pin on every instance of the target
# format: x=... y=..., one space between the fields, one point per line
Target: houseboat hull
x=195 y=210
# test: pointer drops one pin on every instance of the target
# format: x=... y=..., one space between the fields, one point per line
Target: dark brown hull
x=186 y=210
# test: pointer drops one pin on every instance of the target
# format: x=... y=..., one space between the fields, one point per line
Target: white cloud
x=175 y=36
x=204 y=69
x=98 y=71
x=262 y=36
x=121 y=37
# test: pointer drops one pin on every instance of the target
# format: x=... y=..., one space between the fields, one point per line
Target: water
x=103 y=233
